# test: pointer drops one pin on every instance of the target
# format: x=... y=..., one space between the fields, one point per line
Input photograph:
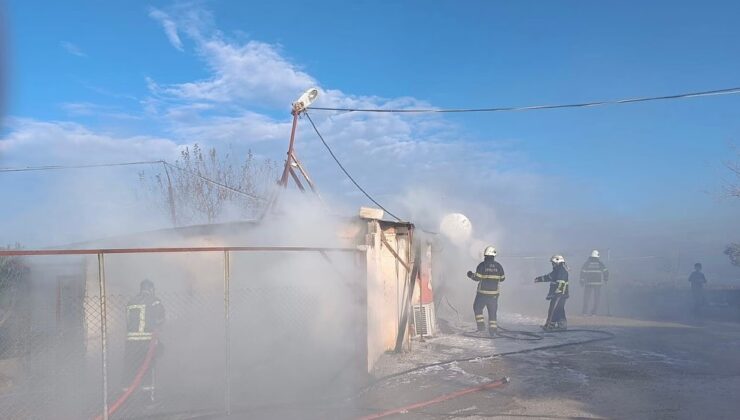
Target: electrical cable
x=145 y=162
x=209 y=180
x=726 y=91
x=345 y=170
x=62 y=167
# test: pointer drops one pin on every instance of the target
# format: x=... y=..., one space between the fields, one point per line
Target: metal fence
x=245 y=327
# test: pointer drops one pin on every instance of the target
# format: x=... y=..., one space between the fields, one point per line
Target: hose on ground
x=505 y=333
x=445 y=397
x=604 y=335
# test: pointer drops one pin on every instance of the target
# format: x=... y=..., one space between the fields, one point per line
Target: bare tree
x=733 y=252
x=201 y=186
x=733 y=190
x=13 y=276
x=733 y=187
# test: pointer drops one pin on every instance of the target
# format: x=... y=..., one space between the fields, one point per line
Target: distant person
x=557 y=295
x=594 y=274
x=698 y=281
x=488 y=274
x=144 y=317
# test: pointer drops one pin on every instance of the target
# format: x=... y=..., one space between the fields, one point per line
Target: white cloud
x=245 y=128
x=31 y=142
x=169 y=25
x=72 y=49
x=254 y=72
x=385 y=152
x=246 y=75
x=88 y=109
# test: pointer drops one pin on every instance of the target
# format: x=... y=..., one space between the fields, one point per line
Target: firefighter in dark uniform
x=698 y=281
x=488 y=274
x=144 y=317
x=594 y=274
x=557 y=294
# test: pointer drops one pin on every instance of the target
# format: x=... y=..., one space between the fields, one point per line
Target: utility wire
x=209 y=180
x=146 y=162
x=345 y=170
x=727 y=91
x=62 y=167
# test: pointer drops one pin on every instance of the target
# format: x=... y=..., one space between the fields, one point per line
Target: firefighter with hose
x=557 y=295
x=144 y=317
x=488 y=274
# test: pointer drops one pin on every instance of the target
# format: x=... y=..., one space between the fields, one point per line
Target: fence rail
x=88 y=355
x=31 y=252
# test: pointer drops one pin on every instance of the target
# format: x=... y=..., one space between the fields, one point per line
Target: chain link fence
x=244 y=328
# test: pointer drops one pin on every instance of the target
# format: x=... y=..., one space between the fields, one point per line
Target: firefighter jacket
x=558 y=280
x=594 y=272
x=144 y=315
x=488 y=274
x=697 y=280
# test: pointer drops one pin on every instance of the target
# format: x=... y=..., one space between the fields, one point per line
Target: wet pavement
x=647 y=370
x=650 y=370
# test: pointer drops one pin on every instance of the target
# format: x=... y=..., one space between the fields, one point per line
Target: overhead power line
x=63 y=167
x=345 y=170
x=211 y=181
x=727 y=91
x=147 y=162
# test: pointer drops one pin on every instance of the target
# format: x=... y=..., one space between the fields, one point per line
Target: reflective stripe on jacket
x=558 y=280
x=594 y=272
x=144 y=313
x=489 y=274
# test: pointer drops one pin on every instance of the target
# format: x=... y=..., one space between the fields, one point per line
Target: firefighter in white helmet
x=557 y=294
x=594 y=274
x=488 y=274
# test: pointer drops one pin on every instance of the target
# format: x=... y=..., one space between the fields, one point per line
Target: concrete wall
x=387 y=280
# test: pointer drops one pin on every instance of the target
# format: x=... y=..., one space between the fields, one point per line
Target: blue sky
x=130 y=80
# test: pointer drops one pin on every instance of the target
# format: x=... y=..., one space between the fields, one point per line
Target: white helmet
x=490 y=251
x=595 y=253
x=557 y=259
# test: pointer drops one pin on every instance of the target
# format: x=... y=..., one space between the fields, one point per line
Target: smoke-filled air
x=369 y=210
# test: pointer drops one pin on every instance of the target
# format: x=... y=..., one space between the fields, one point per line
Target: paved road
x=650 y=370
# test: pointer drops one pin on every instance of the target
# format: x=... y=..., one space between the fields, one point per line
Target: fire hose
x=491 y=385
x=136 y=382
x=506 y=333
x=605 y=335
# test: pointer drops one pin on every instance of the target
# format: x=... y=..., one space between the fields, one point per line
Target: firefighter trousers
x=135 y=352
x=556 y=311
x=489 y=302
x=591 y=290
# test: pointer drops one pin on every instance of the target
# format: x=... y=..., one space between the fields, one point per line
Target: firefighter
x=488 y=274
x=557 y=294
x=698 y=281
x=594 y=274
x=144 y=317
